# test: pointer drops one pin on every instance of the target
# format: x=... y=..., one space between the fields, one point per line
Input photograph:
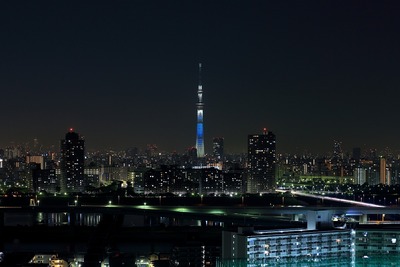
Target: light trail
x=359 y=203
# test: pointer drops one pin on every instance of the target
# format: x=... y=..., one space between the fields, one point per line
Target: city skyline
x=35 y=145
x=125 y=74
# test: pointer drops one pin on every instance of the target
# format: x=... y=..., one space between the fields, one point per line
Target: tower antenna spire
x=199 y=73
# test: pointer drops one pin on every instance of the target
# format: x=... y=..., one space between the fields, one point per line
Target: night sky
x=125 y=73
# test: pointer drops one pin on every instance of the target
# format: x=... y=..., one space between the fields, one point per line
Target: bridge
x=232 y=213
x=333 y=199
x=314 y=215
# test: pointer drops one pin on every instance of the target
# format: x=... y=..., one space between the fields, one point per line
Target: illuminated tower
x=72 y=162
x=200 y=128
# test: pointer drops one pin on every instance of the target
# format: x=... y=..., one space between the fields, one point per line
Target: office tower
x=360 y=175
x=36 y=159
x=200 y=128
x=72 y=163
x=43 y=179
x=383 y=178
x=261 y=162
x=218 y=148
x=337 y=150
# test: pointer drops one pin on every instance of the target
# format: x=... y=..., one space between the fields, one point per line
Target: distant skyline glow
x=125 y=74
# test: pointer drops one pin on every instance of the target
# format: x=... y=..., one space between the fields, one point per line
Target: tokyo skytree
x=200 y=127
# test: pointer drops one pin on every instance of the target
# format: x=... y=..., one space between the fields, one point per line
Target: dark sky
x=124 y=73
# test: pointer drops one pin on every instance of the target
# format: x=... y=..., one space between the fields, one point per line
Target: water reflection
x=63 y=218
x=93 y=219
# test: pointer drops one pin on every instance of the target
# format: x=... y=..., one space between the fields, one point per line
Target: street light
x=76 y=202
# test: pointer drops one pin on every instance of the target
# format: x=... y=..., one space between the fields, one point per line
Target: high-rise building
x=384 y=174
x=218 y=148
x=261 y=162
x=200 y=127
x=72 y=162
x=360 y=175
x=337 y=150
x=36 y=159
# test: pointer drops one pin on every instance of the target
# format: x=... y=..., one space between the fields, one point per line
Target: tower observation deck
x=200 y=127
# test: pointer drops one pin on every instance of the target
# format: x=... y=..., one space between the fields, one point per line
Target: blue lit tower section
x=200 y=128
